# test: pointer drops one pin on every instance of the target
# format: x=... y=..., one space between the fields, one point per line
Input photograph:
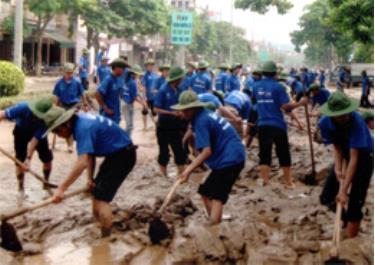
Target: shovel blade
x=335 y=261
x=310 y=180
x=158 y=231
x=9 y=238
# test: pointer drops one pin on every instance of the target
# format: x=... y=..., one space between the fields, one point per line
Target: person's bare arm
x=90 y=171
x=81 y=164
x=342 y=197
x=199 y=160
x=293 y=105
x=2 y=115
x=338 y=162
x=31 y=147
x=229 y=115
x=101 y=103
x=141 y=101
x=167 y=112
x=56 y=100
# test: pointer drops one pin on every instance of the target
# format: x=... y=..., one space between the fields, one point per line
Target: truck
x=354 y=70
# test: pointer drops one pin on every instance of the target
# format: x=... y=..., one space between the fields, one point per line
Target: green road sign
x=263 y=56
x=182 y=28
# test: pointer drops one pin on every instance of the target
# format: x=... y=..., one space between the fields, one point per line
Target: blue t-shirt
x=365 y=84
x=298 y=87
x=213 y=131
x=221 y=81
x=160 y=82
x=201 y=83
x=165 y=98
x=98 y=136
x=342 y=76
x=240 y=101
x=249 y=83
x=111 y=89
x=25 y=119
x=305 y=80
x=130 y=92
x=186 y=82
x=149 y=82
x=233 y=83
x=270 y=95
x=84 y=64
x=103 y=71
x=68 y=92
x=322 y=79
x=358 y=137
x=321 y=98
x=99 y=57
x=210 y=98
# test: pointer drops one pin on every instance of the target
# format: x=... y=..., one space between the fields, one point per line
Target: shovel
x=36 y=175
x=158 y=230
x=310 y=179
x=334 y=253
x=8 y=234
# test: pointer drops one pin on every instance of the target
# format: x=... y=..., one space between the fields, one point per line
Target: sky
x=270 y=27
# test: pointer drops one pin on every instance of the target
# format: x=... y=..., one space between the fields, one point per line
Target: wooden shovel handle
x=19 y=163
x=38 y=205
x=170 y=195
x=337 y=230
x=310 y=140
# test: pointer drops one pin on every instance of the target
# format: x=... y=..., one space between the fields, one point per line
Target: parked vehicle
x=354 y=77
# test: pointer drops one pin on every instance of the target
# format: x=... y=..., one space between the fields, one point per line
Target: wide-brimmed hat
x=175 y=73
x=68 y=68
x=105 y=58
x=314 y=87
x=257 y=71
x=57 y=116
x=202 y=65
x=269 y=67
x=219 y=94
x=235 y=66
x=39 y=107
x=118 y=62
x=192 y=64
x=85 y=51
x=339 y=104
x=368 y=115
x=224 y=66
x=188 y=100
x=136 y=69
x=283 y=77
x=150 y=62
x=164 y=67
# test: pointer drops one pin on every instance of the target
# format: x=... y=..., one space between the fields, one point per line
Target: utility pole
x=231 y=33
x=18 y=34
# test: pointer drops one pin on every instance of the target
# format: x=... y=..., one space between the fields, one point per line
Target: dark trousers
x=85 y=83
x=358 y=191
x=172 y=138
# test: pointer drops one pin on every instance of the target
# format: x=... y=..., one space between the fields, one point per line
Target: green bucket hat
x=136 y=69
x=269 y=67
x=314 y=87
x=236 y=65
x=118 y=62
x=40 y=107
x=85 y=51
x=368 y=115
x=150 y=62
x=224 y=66
x=339 y=104
x=219 y=94
x=57 y=116
x=202 y=65
x=188 y=100
x=175 y=73
x=164 y=67
x=257 y=71
x=69 y=68
x=192 y=64
x=283 y=76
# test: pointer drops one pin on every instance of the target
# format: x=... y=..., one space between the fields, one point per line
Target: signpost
x=182 y=32
x=263 y=55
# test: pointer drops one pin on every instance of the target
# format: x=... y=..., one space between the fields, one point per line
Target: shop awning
x=60 y=38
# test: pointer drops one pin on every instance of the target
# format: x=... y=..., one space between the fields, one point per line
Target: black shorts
x=253 y=118
x=171 y=138
x=219 y=183
x=269 y=135
x=85 y=83
x=358 y=191
x=150 y=104
x=22 y=138
x=112 y=172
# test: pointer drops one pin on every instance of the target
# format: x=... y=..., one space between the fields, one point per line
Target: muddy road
x=262 y=226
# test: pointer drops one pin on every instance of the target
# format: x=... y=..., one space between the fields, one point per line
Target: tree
x=321 y=43
x=44 y=10
x=262 y=6
x=8 y=27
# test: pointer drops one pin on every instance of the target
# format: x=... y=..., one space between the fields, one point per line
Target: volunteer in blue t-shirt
x=220 y=149
x=162 y=79
x=221 y=78
x=84 y=69
x=272 y=99
x=233 y=81
x=305 y=78
x=109 y=92
x=319 y=95
x=341 y=79
x=201 y=82
x=186 y=82
x=366 y=86
x=130 y=94
x=95 y=136
x=149 y=83
x=346 y=130
x=170 y=128
x=28 y=136
x=322 y=78
x=103 y=70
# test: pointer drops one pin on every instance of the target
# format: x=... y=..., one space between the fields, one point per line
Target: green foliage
x=8 y=27
x=12 y=79
x=319 y=40
x=262 y=6
x=364 y=53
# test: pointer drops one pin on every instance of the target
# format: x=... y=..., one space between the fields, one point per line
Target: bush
x=12 y=79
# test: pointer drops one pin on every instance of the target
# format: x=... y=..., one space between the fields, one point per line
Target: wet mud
x=269 y=225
